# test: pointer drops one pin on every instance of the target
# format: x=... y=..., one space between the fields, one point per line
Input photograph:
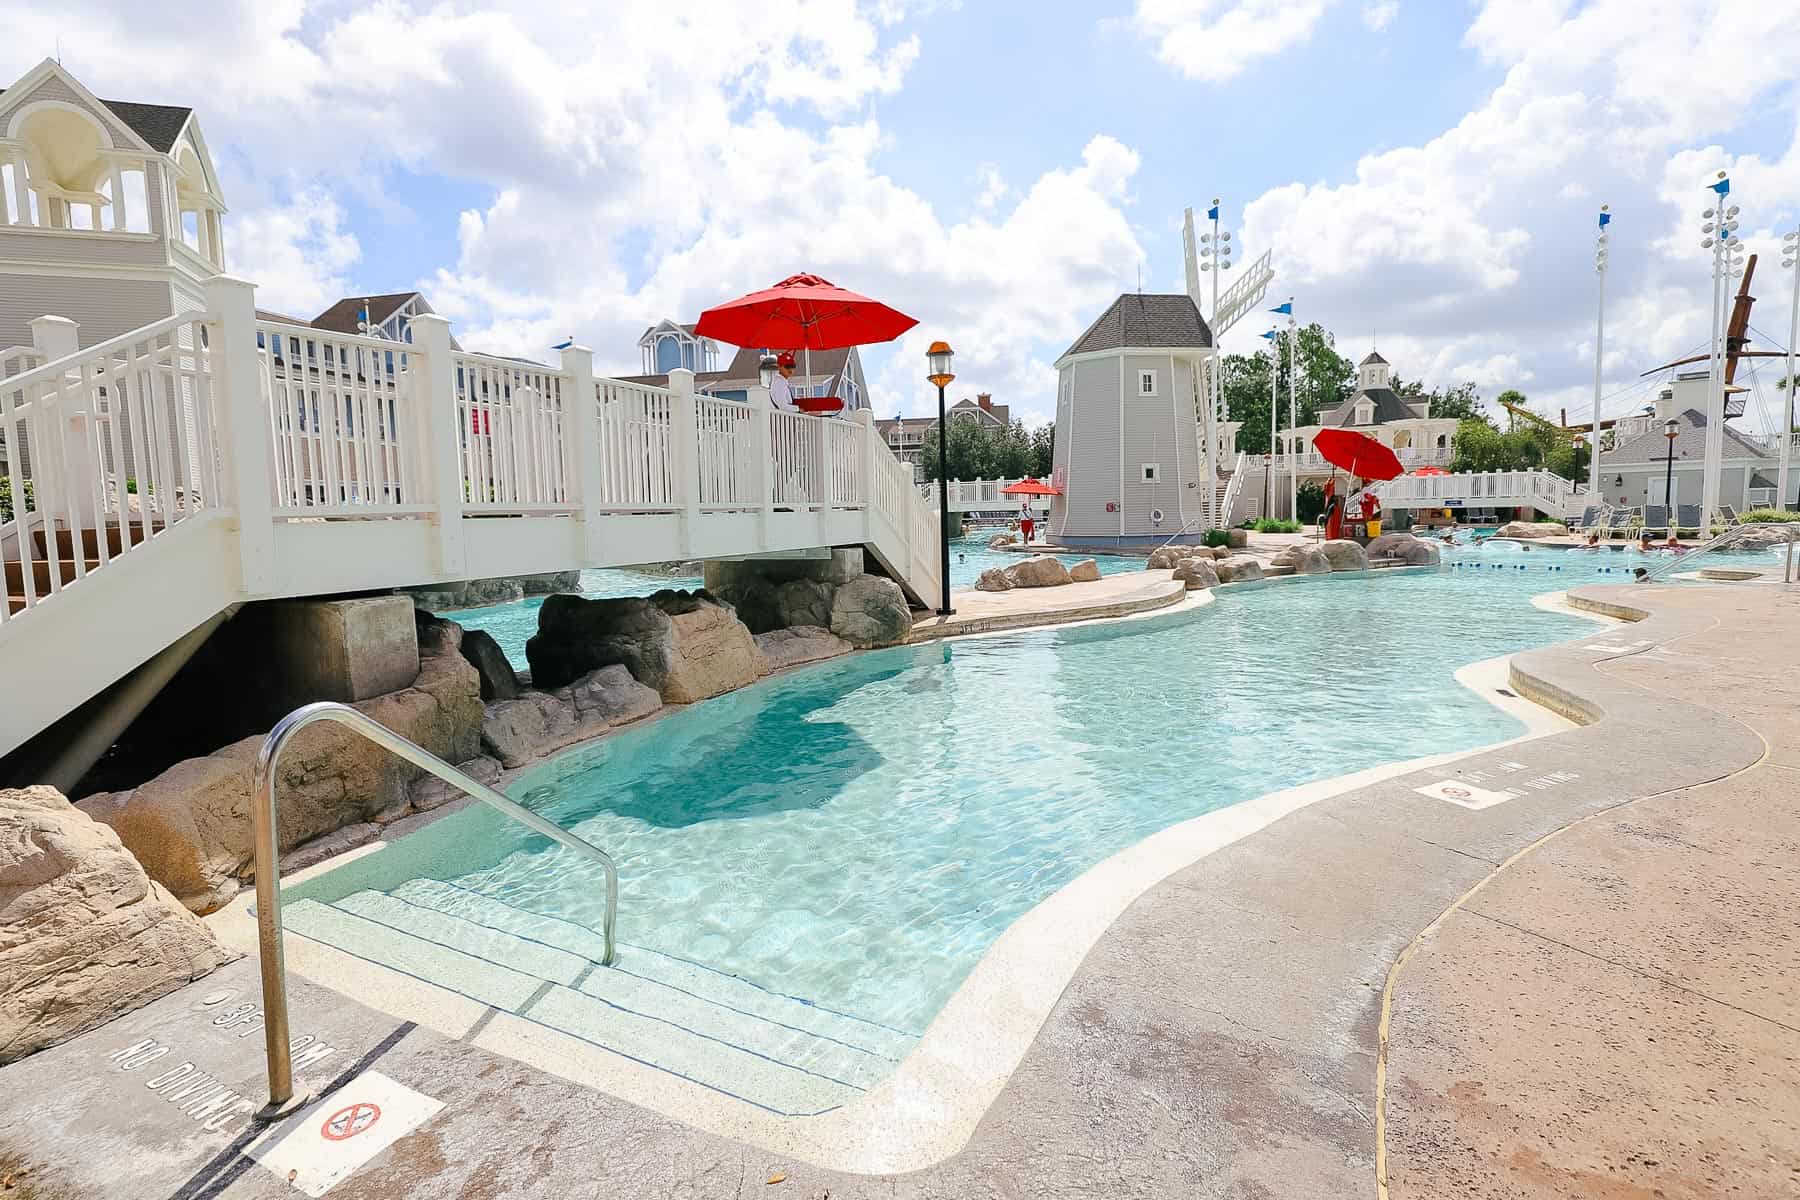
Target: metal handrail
x=1791 y=528
x=268 y=867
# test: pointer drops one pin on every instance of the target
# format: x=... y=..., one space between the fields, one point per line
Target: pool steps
x=779 y=1052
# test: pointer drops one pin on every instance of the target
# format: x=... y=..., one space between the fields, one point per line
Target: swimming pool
x=811 y=866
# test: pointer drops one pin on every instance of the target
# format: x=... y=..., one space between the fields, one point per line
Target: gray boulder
x=1238 y=570
x=1001 y=539
x=1404 y=546
x=804 y=602
x=610 y=695
x=802 y=644
x=85 y=936
x=871 y=611
x=436 y=635
x=685 y=645
x=1040 y=570
x=1197 y=573
x=1237 y=539
x=498 y=682
x=994 y=579
x=429 y=792
x=1085 y=571
x=1344 y=555
x=537 y=723
x=1304 y=559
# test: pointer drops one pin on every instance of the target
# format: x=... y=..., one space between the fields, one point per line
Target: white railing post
x=684 y=452
x=762 y=450
x=241 y=412
x=870 y=439
x=68 y=467
x=581 y=429
x=439 y=438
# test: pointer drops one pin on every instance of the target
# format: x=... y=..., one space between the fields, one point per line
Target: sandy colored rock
x=1410 y=550
x=1237 y=539
x=1040 y=570
x=1197 y=573
x=1085 y=571
x=1532 y=529
x=1304 y=559
x=685 y=645
x=714 y=654
x=801 y=644
x=190 y=826
x=539 y=723
x=610 y=695
x=994 y=579
x=1344 y=555
x=1238 y=570
x=1001 y=539
x=85 y=936
x=871 y=611
x=429 y=792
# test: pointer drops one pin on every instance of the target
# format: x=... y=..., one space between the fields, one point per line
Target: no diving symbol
x=1456 y=793
x=349 y=1121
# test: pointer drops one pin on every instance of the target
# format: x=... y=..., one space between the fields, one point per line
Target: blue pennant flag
x=1212 y=214
x=1272 y=335
x=1723 y=187
x=1605 y=219
x=1286 y=308
x=362 y=314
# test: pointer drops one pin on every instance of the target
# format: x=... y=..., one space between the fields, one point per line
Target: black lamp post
x=1670 y=429
x=939 y=359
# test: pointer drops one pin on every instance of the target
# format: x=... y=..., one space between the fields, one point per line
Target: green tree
x=1043 y=450
x=1462 y=401
x=977 y=450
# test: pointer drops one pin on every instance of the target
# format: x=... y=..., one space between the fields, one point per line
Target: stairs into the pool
x=780 y=1052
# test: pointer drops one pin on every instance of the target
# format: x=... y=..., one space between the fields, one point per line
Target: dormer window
x=1365 y=412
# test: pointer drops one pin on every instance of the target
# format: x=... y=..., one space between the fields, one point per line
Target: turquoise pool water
x=858 y=833
x=513 y=624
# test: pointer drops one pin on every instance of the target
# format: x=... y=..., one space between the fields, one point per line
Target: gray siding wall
x=1088 y=451
x=104 y=308
x=82 y=246
x=1734 y=483
x=1158 y=429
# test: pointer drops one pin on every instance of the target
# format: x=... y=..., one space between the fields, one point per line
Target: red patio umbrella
x=1358 y=454
x=806 y=313
x=1431 y=471
x=1030 y=487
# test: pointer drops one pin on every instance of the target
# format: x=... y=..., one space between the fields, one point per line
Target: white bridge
x=161 y=477
x=982 y=495
x=1542 y=490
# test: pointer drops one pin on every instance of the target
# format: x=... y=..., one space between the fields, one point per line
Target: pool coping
x=926 y=1110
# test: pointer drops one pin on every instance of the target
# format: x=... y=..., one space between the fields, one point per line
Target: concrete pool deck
x=1586 y=986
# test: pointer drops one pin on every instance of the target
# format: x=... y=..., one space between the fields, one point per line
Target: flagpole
x=1293 y=413
x=1723 y=245
x=1600 y=255
x=1274 y=407
x=1790 y=246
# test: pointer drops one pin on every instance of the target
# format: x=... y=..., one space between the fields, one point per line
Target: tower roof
x=1138 y=320
x=1373 y=357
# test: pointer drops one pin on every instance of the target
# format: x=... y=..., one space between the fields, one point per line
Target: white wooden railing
x=1481 y=489
x=968 y=494
x=282 y=428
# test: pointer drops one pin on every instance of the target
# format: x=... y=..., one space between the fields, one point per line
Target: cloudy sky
x=1426 y=172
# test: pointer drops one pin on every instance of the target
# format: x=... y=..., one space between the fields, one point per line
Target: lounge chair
x=1687 y=516
x=1628 y=521
x=1656 y=519
x=1588 y=516
x=1729 y=515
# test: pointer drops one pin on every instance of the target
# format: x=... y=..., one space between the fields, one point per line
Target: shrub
x=6 y=498
x=1760 y=516
x=1217 y=537
x=1272 y=525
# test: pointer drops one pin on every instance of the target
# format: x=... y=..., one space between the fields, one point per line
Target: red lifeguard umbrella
x=1358 y=454
x=1030 y=487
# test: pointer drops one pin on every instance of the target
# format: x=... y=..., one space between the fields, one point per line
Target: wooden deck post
x=242 y=414
x=581 y=420
x=684 y=453
x=438 y=437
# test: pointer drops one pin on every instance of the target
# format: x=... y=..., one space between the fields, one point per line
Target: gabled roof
x=341 y=317
x=683 y=326
x=1389 y=406
x=157 y=124
x=1690 y=443
x=1373 y=358
x=1136 y=320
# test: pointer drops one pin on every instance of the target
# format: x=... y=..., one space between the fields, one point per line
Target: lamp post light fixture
x=938 y=358
x=1719 y=224
x=765 y=369
x=1671 y=430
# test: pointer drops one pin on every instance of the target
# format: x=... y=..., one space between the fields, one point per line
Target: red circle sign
x=1457 y=793
x=349 y=1121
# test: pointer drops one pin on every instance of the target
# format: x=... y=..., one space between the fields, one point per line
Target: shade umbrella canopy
x=1431 y=471
x=803 y=312
x=1030 y=487
x=1358 y=454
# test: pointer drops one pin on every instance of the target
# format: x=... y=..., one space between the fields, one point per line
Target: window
x=1365 y=413
x=1152 y=472
x=1146 y=383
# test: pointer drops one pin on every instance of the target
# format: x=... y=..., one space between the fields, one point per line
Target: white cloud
x=298 y=254
x=1380 y=15
x=1472 y=253
x=1214 y=40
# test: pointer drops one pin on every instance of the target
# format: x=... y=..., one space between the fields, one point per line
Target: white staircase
x=212 y=458
x=780 y=1052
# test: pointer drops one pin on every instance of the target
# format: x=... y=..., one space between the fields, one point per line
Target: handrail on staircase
x=268 y=868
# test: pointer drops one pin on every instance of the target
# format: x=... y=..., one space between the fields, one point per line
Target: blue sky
x=1427 y=171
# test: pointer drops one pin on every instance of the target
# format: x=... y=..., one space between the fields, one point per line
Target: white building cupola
x=1373 y=372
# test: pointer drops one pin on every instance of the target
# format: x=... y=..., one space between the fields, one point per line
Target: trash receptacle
x=1374 y=529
